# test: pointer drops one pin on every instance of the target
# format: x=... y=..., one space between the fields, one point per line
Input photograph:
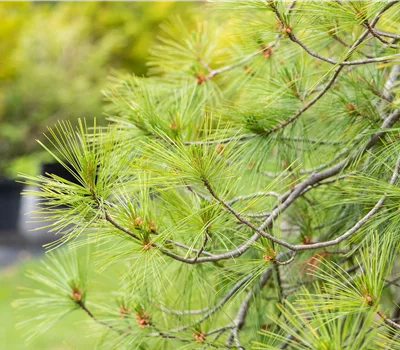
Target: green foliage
x=247 y=190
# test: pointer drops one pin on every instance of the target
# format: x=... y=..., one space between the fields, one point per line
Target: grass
x=70 y=333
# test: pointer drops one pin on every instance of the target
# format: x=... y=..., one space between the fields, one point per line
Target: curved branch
x=286 y=262
x=288 y=198
x=240 y=318
x=359 y=224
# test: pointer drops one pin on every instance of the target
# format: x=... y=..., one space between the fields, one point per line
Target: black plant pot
x=10 y=201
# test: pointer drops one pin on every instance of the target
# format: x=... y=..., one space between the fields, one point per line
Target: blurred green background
x=72 y=332
x=55 y=58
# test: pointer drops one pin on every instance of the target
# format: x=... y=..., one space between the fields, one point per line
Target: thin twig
x=82 y=305
x=218 y=71
x=387 y=34
x=119 y=227
x=205 y=240
x=307 y=105
x=388 y=321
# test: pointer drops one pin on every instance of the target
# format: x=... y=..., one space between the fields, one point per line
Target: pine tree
x=245 y=194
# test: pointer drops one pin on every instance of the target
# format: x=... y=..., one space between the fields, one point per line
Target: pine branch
x=371 y=25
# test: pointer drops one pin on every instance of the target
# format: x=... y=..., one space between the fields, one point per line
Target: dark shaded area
x=10 y=200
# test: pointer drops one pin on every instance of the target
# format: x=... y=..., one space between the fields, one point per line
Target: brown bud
x=248 y=70
x=270 y=255
x=269 y=258
x=173 y=126
x=201 y=78
x=123 y=311
x=219 y=148
x=350 y=106
x=368 y=299
x=147 y=245
x=76 y=294
x=266 y=51
x=142 y=318
x=200 y=337
x=306 y=240
x=152 y=227
x=287 y=30
x=138 y=221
